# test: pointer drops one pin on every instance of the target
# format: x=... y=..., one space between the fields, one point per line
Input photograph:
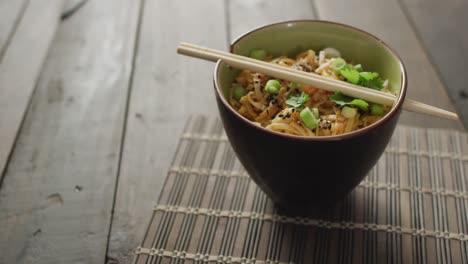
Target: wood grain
x=442 y=26
x=20 y=68
x=386 y=20
x=11 y=13
x=71 y=6
x=246 y=15
x=58 y=192
x=166 y=89
x=56 y=198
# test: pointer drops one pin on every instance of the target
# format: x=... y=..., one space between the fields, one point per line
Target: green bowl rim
x=394 y=110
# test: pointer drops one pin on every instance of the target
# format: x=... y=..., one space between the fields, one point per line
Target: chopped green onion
x=331 y=53
x=355 y=75
x=363 y=105
x=258 y=54
x=351 y=75
x=238 y=92
x=295 y=85
x=349 y=112
x=338 y=64
x=272 y=86
x=377 y=109
x=368 y=76
x=308 y=118
x=358 y=67
x=315 y=111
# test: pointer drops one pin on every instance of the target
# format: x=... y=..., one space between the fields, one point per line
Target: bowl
x=313 y=172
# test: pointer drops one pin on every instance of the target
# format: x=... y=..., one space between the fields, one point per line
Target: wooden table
x=91 y=106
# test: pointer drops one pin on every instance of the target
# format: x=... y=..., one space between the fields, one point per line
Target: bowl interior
x=291 y=38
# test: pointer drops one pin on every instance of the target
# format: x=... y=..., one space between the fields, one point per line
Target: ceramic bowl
x=310 y=171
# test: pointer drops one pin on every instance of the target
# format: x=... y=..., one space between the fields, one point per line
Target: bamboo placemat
x=411 y=208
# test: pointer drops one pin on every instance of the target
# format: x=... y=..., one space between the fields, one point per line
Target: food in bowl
x=303 y=110
x=310 y=171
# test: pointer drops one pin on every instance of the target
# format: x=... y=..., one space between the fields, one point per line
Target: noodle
x=271 y=109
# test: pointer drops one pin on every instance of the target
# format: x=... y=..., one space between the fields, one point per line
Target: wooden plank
x=11 y=13
x=386 y=20
x=246 y=15
x=442 y=28
x=57 y=195
x=20 y=67
x=71 y=6
x=166 y=89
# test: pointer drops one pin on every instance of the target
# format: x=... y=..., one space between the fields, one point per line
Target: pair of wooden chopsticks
x=290 y=74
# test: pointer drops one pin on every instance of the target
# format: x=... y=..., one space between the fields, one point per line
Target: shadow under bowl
x=312 y=172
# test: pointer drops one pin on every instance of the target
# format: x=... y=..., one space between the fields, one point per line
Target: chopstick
x=214 y=55
x=290 y=74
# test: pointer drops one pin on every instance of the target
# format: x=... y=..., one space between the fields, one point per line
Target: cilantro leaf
x=369 y=75
x=340 y=99
x=297 y=101
x=370 y=80
x=355 y=75
x=350 y=74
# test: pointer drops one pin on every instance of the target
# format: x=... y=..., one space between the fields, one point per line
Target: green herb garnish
x=272 y=86
x=371 y=80
x=258 y=54
x=357 y=76
x=340 y=99
x=350 y=74
x=295 y=85
x=298 y=101
x=308 y=118
x=316 y=113
x=238 y=92
x=349 y=112
x=338 y=64
x=358 y=67
x=377 y=109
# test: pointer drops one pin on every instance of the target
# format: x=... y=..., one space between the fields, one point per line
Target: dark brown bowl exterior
x=308 y=172
x=295 y=172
